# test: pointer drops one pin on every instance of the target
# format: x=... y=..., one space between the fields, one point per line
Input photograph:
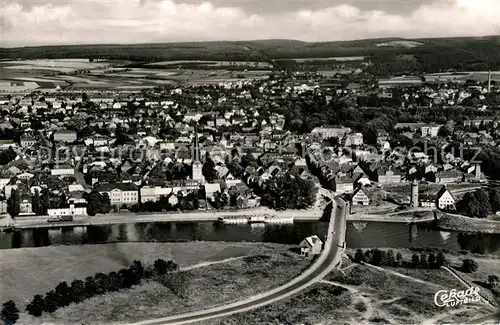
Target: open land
x=353 y=295
x=265 y=267
x=29 y=271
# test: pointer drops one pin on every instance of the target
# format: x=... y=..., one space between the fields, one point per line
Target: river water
x=373 y=234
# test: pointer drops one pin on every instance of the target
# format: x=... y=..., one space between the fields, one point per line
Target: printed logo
x=444 y=298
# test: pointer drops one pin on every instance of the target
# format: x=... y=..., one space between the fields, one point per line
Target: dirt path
x=448 y=312
x=407 y=277
x=367 y=315
x=204 y=264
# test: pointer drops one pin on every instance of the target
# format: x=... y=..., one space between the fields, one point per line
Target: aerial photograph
x=249 y=162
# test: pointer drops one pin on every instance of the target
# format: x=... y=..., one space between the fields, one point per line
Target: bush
x=10 y=313
x=469 y=266
x=359 y=256
x=100 y=283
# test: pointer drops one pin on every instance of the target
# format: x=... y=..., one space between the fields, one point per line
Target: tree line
x=480 y=203
x=78 y=291
x=388 y=258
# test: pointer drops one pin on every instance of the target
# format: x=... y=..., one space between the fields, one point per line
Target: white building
x=62 y=170
x=120 y=193
x=354 y=139
x=149 y=193
x=74 y=209
x=326 y=132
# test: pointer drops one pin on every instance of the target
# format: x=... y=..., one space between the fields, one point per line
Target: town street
x=328 y=260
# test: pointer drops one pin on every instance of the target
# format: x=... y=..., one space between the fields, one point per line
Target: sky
x=54 y=22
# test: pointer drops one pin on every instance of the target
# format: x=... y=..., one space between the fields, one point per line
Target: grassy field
x=29 y=271
x=361 y=294
x=186 y=291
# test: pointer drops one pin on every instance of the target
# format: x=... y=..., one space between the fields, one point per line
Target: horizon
x=381 y=39
x=28 y=23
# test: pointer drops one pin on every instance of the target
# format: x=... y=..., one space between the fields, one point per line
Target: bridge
x=330 y=258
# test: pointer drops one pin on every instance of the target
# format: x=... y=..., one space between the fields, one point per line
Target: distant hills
x=435 y=53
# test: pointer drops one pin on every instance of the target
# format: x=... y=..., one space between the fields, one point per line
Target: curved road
x=329 y=259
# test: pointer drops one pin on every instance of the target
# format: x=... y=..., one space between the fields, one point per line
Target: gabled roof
x=311 y=241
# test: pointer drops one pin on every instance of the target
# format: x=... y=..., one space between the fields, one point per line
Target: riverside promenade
x=199 y=216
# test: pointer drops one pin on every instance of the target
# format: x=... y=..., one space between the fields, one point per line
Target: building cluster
x=211 y=141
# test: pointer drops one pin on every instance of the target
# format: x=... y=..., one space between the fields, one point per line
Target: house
x=120 y=193
x=449 y=176
x=359 y=197
x=27 y=141
x=389 y=175
x=65 y=136
x=326 y=132
x=354 y=139
x=62 y=170
x=430 y=130
x=3 y=206
x=72 y=209
x=445 y=199
x=150 y=193
x=311 y=246
x=25 y=206
x=427 y=201
x=6 y=144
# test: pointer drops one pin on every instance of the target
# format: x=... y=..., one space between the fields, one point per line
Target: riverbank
x=202 y=216
x=457 y=222
x=29 y=271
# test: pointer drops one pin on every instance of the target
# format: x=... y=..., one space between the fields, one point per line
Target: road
x=329 y=259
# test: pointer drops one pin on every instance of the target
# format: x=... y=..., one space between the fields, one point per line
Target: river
x=371 y=234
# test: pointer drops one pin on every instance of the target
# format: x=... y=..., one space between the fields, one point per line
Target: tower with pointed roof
x=197 y=166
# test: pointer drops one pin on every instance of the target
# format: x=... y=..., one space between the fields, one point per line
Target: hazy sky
x=39 y=22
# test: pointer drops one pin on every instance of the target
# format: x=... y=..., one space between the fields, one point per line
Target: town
x=235 y=145
x=284 y=180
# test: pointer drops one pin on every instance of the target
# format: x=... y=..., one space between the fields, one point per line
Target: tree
x=208 y=170
x=431 y=260
x=160 y=267
x=359 y=256
x=399 y=259
x=10 y=313
x=440 y=260
x=248 y=160
x=13 y=203
x=495 y=199
x=36 y=306
x=391 y=260
x=97 y=203
x=423 y=261
x=493 y=281
x=469 y=266
x=37 y=203
x=78 y=291
x=415 y=260
x=377 y=257
x=288 y=192
x=45 y=201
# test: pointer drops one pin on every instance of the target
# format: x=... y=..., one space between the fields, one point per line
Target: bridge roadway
x=326 y=262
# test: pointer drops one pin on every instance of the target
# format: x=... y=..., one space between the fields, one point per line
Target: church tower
x=197 y=166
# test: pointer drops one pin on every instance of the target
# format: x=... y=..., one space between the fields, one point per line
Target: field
x=362 y=294
x=29 y=271
x=431 y=54
x=192 y=290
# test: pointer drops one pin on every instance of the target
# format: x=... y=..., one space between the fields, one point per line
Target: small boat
x=257 y=219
